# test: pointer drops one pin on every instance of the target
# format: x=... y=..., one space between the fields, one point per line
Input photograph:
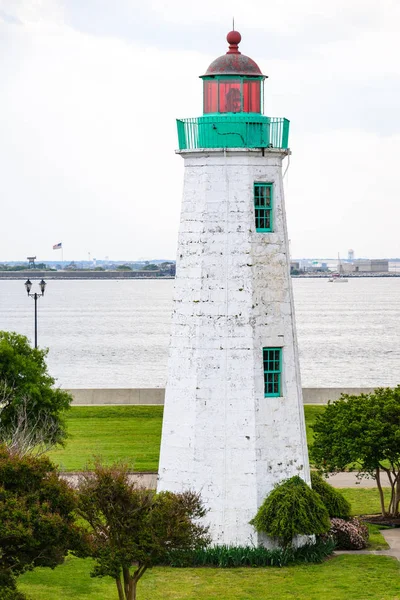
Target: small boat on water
x=338 y=277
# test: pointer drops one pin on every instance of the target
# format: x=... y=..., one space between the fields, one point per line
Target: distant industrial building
x=366 y=265
x=374 y=265
x=294 y=266
x=350 y=255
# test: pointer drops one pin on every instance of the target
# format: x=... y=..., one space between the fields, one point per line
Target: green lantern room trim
x=263 y=207
x=241 y=130
x=272 y=360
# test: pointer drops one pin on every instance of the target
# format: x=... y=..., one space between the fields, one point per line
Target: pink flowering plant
x=348 y=535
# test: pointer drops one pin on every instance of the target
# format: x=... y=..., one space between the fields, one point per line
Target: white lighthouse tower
x=233 y=421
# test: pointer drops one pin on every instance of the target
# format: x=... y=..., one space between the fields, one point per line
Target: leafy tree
x=168 y=267
x=336 y=504
x=362 y=431
x=150 y=267
x=123 y=268
x=131 y=529
x=291 y=509
x=29 y=401
x=71 y=266
x=36 y=517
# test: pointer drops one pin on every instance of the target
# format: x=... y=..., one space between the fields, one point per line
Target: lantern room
x=233 y=107
x=233 y=82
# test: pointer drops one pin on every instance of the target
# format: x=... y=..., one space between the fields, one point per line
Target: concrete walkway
x=392 y=537
x=349 y=479
x=146 y=480
x=341 y=480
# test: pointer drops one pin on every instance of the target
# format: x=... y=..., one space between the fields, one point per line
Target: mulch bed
x=380 y=520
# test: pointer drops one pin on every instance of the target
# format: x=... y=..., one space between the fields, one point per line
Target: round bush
x=292 y=508
x=348 y=535
x=336 y=504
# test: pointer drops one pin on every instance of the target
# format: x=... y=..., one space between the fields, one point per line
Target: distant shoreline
x=77 y=275
x=346 y=275
x=97 y=275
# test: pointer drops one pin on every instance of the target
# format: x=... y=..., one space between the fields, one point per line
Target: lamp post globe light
x=35 y=296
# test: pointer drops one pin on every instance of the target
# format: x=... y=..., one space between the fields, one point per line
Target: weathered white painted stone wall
x=232 y=297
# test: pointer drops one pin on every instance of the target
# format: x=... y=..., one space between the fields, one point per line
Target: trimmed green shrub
x=227 y=557
x=292 y=508
x=336 y=504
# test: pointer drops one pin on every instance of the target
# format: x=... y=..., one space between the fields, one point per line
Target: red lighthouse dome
x=233 y=82
x=234 y=62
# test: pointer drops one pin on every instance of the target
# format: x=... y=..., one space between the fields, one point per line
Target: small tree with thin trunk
x=362 y=432
x=130 y=529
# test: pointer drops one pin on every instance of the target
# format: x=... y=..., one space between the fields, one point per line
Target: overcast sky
x=89 y=94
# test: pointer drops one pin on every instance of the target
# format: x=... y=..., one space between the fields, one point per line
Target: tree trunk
x=381 y=496
x=392 y=492
x=127 y=582
x=134 y=581
x=121 y=595
x=397 y=499
x=392 y=495
x=133 y=590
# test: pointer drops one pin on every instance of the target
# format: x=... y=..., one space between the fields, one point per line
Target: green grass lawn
x=127 y=433
x=340 y=578
x=132 y=434
x=115 y=433
x=376 y=540
x=364 y=501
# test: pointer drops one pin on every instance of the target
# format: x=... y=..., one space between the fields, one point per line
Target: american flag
x=57 y=246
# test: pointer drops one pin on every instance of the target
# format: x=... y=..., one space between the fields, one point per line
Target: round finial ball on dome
x=233 y=38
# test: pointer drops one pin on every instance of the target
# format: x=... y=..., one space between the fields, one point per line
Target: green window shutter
x=263 y=207
x=272 y=359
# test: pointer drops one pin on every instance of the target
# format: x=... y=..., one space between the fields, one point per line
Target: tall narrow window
x=272 y=358
x=263 y=206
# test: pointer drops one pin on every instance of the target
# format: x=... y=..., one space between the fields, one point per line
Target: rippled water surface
x=115 y=333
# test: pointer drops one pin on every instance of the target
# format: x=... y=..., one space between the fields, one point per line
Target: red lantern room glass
x=233 y=83
x=232 y=95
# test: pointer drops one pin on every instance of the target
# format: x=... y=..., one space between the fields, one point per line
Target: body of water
x=111 y=334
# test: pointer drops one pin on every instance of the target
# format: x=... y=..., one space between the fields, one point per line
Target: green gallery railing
x=236 y=131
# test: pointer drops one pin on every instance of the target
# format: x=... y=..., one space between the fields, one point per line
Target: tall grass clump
x=291 y=509
x=228 y=557
x=336 y=504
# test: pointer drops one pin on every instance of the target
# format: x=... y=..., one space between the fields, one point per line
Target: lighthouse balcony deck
x=233 y=131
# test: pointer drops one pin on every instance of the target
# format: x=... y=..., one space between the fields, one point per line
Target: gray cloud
x=139 y=23
x=10 y=19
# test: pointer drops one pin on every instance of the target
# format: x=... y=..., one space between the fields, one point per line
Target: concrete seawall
x=95 y=275
x=110 y=396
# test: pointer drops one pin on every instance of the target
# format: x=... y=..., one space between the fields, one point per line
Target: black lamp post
x=35 y=296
